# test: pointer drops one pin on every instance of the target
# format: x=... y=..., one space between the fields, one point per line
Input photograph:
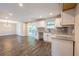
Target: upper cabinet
x=58 y=22
x=40 y=23
x=67 y=19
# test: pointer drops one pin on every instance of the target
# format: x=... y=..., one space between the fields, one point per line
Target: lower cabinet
x=47 y=37
x=62 y=47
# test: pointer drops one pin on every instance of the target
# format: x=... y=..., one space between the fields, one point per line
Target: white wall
x=77 y=31
x=7 y=29
x=18 y=28
x=21 y=29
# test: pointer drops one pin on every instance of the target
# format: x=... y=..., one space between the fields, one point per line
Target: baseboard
x=7 y=34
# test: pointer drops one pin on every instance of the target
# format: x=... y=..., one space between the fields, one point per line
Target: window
x=32 y=30
x=50 y=24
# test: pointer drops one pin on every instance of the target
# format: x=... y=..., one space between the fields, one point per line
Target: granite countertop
x=61 y=36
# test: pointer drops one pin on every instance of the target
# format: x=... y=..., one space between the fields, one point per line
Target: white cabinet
x=67 y=19
x=62 y=47
x=58 y=22
x=47 y=37
x=40 y=23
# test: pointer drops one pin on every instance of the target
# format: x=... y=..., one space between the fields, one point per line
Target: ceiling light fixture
x=40 y=16
x=50 y=14
x=20 y=4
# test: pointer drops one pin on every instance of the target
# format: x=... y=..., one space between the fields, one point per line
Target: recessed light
x=50 y=14
x=10 y=14
x=20 y=4
x=40 y=16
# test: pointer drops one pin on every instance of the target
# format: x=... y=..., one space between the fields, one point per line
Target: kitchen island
x=62 y=45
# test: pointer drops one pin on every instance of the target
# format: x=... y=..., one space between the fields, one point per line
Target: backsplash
x=62 y=30
x=65 y=30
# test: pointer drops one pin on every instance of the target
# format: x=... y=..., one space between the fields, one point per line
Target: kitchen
x=47 y=27
x=59 y=31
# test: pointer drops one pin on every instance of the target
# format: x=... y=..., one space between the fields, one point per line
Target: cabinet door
x=58 y=22
x=40 y=23
x=47 y=37
x=67 y=19
x=62 y=47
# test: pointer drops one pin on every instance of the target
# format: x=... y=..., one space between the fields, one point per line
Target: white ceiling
x=28 y=11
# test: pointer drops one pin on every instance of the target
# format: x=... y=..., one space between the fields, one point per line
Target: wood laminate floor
x=13 y=45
